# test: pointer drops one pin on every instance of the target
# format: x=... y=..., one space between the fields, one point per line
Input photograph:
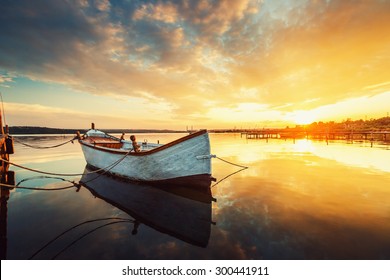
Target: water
x=303 y=200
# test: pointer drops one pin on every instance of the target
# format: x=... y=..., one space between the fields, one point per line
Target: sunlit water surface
x=302 y=200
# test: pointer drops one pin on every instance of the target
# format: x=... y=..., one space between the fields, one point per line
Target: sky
x=201 y=64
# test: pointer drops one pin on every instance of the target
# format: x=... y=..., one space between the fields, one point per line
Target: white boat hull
x=184 y=157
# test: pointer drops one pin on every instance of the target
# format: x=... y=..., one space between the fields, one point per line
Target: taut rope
x=231 y=174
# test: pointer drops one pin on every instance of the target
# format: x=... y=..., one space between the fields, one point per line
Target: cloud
x=217 y=17
x=150 y=114
x=165 y=12
x=191 y=54
x=324 y=50
x=41 y=32
x=5 y=79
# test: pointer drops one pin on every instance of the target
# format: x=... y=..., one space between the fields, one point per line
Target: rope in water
x=42 y=177
x=86 y=234
x=105 y=169
x=224 y=178
x=75 y=185
x=17 y=186
x=112 y=165
x=78 y=225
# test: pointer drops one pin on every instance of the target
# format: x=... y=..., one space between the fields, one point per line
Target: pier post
x=3 y=222
x=372 y=139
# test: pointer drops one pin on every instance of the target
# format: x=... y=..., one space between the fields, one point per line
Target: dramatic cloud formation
x=214 y=63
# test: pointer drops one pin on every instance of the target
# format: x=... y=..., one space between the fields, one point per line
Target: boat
x=187 y=157
x=179 y=210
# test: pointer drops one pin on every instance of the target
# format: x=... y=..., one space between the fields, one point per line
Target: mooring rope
x=231 y=174
x=42 y=177
x=229 y=162
x=17 y=186
x=224 y=178
x=39 y=171
x=89 y=232
x=75 y=185
x=109 y=167
x=44 y=147
x=80 y=224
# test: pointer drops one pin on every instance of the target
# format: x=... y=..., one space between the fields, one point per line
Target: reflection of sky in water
x=353 y=155
x=306 y=200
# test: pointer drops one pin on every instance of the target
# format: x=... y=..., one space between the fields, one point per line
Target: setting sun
x=303 y=117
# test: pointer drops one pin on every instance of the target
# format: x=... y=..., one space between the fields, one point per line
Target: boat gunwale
x=144 y=153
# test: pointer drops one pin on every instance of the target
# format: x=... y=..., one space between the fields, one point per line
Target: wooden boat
x=187 y=157
x=179 y=210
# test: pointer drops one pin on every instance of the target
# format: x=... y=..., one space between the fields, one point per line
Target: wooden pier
x=7 y=178
x=348 y=135
x=6 y=148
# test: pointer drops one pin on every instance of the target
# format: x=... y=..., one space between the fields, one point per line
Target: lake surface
x=302 y=200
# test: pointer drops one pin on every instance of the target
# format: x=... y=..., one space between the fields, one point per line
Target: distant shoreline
x=353 y=125
x=25 y=130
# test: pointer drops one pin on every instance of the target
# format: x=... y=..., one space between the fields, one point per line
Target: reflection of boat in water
x=174 y=208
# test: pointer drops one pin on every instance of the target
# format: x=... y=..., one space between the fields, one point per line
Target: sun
x=303 y=117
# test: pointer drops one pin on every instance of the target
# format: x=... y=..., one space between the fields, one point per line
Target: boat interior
x=105 y=142
x=116 y=143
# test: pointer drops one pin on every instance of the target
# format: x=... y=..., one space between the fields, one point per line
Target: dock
x=7 y=178
x=340 y=134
